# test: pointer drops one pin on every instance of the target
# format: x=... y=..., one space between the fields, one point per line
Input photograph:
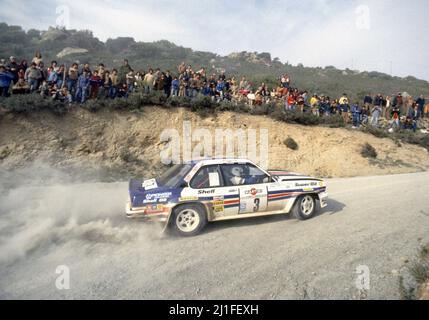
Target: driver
x=237 y=176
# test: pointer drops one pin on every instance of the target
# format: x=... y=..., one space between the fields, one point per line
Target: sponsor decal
x=188 y=199
x=218 y=206
x=157 y=197
x=150 y=184
x=202 y=192
x=253 y=192
x=307 y=184
x=243 y=207
x=193 y=172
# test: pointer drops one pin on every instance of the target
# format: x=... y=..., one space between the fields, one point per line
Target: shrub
x=291 y=143
x=32 y=102
x=379 y=133
x=368 y=151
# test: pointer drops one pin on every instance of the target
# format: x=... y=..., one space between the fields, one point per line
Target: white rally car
x=190 y=195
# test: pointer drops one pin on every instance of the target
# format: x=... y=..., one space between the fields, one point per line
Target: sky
x=389 y=36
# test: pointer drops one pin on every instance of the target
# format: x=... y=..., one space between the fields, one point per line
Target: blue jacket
x=220 y=86
x=421 y=103
x=206 y=91
x=367 y=99
x=175 y=84
x=356 y=110
x=83 y=82
x=5 y=79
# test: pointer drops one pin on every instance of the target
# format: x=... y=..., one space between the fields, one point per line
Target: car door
x=252 y=184
x=209 y=186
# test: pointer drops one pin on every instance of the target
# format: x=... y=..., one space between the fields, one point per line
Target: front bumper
x=323 y=198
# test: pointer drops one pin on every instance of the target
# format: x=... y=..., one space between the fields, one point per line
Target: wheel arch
x=201 y=205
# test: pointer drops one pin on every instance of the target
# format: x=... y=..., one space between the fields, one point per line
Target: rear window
x=173 y=176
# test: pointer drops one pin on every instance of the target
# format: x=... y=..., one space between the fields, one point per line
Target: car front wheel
x=189 y=220
x=305 y=207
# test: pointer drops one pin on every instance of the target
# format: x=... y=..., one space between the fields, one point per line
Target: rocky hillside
x=70 y=46
x=119 y=144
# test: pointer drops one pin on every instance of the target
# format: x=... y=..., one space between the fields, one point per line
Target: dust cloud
x=43 y=209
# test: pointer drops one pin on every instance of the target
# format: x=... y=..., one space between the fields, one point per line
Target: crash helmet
x=237 y=171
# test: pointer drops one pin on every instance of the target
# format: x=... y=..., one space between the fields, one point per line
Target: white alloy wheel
x=187 y=220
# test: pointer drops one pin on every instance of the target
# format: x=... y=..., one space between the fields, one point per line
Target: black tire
x=189 y=220
x=305 y=207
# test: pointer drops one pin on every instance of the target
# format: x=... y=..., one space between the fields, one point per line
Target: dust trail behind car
x=41 y=210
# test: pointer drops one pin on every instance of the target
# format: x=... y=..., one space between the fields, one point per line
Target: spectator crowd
x=77 y=84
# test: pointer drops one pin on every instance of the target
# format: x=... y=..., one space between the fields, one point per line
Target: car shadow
x=333 y=207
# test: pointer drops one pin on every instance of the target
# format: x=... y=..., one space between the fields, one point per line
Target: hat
x=12 y=57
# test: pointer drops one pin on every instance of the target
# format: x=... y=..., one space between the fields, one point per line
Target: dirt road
x=377 y=222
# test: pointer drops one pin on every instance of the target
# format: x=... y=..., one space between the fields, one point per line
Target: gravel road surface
x=378 y=222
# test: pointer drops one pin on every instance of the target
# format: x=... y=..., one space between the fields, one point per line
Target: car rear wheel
x=305 y=207
x=189 y=220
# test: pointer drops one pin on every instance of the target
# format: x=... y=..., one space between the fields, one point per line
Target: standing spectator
x=220 y=89
x=107 y=84
x=148 y=81
x=388 y=108
x=23 y=65
x=396 y=113
x=95 y=82
x=344 y=107
x=52 y=75
x=161 y=81
x=414 y=115
x=73 y=75
x=43 y=72
x=376 y=112
x=357 y=115
x=421 y=101
x=114 y=84
x=130 y=80
x=5 y=80
x=13 y=68
x=123 y=71
x=61 y=76
x=181 y=68
x=167 y=83
x=86 y=68
x=175 y=85
x=33 y=76
x=82 y=87
x=37 y=58
x=367 y=101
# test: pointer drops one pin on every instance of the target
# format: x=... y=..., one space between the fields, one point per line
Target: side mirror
x=184 y=185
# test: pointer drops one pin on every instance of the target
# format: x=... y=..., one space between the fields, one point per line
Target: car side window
x=243 y=174
x=257 y=176
x=207 y=177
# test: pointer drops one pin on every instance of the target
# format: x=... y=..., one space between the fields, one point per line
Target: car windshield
x=174 y=175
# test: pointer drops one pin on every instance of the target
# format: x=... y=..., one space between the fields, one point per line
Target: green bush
x=368 y=151
x=32 y=102
x=291 y=143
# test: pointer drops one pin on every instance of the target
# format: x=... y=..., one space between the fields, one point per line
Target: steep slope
x=122 y=143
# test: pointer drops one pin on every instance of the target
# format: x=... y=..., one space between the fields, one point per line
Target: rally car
x=188 y=196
